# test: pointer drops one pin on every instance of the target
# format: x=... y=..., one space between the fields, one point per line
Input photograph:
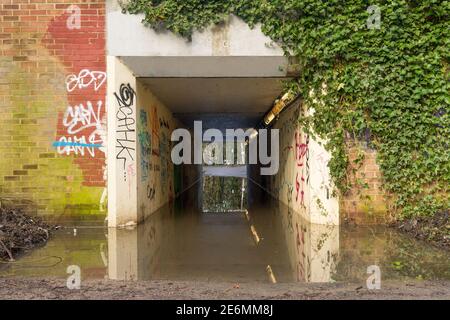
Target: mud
x=20 y=232
x=52 y=288
x=434 y=230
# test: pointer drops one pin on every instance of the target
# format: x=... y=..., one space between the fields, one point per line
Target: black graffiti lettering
x=125 y=124
x=125 y=98
x=151 y=192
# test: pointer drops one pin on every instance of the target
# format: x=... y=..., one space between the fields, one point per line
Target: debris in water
x=19 y=232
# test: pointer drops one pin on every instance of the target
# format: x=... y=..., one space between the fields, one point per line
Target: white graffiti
x=84 y=79
x=80 y=117
x=78 y=145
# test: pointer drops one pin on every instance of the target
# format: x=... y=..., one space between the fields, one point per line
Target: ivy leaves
x=392 y=82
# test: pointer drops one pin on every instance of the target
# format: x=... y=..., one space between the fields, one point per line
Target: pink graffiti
x=301 y=154
x=300 y=242
x=300 y=149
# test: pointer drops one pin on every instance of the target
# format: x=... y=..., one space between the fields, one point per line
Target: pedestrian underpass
x=226 y=79
x=267 y=213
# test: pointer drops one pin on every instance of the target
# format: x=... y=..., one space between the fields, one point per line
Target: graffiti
x=322 y=160
x=81 y=128
x=164 y=154
x=300 y=244
x=129 y=172
x=84 y=128
x=125 y=124
x=145 y=144
x=163 y=123
x=301 y=149
x=289 y=209
x=84 y=79
x=79 y=118
x=77 y=146
x=151 y=192
x=302 y=176
x=155 y=131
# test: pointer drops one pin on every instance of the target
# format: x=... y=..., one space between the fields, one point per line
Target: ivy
x=391 y=82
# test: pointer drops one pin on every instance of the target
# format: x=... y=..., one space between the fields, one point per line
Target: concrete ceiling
x=218 y=102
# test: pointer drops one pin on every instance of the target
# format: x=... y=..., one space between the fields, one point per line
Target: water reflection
x=267 y=243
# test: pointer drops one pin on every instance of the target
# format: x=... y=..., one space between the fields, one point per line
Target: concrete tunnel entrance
x=226 y=78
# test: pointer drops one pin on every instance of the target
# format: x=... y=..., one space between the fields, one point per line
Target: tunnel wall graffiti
x=156 y=172
x=303 y=182
x=141 y=174
x=52 y=106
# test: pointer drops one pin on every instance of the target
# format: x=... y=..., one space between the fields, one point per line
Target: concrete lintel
x=128 y=36
x=209 y=67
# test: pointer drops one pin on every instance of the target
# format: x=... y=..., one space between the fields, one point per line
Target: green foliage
x=391 y=82
x=222 y=194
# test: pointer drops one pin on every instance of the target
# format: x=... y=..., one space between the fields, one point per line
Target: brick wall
x=366 y=202
x=52 y=105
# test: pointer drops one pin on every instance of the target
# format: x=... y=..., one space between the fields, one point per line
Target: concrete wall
x=130 y=37
x=303 y=182
x=141 y=175
x=229 y=50
x=52 y=106
x=313 y=249
x=158 y=176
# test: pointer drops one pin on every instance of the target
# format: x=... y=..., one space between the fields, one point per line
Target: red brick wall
x=52 y=105
x=366 y=202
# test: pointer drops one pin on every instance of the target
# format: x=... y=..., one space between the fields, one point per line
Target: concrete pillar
x=123 y=254
x=121 y=110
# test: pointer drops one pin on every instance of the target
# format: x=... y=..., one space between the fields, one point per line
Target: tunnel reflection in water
x=265 y=243
x=268 y=244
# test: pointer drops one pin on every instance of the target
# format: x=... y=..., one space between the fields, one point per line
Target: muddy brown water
x=267 y=243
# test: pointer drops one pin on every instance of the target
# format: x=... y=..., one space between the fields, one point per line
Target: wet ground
x=263 y=245
x=54 y=288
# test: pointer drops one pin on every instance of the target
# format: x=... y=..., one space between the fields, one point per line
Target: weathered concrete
x=228 y=50
x=141 y=175
x=303 y=181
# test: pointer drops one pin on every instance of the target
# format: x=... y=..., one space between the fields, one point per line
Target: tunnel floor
x=261 y=244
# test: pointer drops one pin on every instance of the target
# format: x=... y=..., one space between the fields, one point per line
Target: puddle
x=268 y=243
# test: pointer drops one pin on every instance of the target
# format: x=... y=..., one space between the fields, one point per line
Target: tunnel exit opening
x=224 y=194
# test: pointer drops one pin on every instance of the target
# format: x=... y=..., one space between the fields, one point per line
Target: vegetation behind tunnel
x=388 y=83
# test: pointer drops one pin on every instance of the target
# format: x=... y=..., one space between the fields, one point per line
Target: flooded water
x=268 y=243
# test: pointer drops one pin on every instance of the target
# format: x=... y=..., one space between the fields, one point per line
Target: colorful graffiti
x=155 y=131
x=144 y=144
x=81 y=131
x=164 y=156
